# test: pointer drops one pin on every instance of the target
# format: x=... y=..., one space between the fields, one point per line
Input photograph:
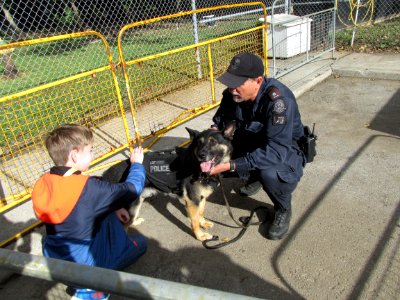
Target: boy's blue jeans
x=109 y=248
x=115 y=249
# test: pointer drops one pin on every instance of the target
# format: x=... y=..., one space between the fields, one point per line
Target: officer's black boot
x=280 y=224
x=250 y=188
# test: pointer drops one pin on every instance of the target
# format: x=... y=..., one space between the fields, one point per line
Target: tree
x=10 y=70
x=9 y=17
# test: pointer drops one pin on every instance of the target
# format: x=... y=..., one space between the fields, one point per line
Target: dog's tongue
x=205 y=166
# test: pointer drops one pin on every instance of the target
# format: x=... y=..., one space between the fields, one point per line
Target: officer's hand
x=220 y=168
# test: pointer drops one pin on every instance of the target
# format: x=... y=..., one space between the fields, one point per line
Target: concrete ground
x=344 y=238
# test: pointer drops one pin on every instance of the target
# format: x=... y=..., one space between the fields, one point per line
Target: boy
x=83 y=214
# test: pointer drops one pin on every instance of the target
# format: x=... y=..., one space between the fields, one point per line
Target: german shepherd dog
x=189 y=167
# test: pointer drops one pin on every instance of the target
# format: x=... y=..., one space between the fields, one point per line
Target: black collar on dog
x=206 y=179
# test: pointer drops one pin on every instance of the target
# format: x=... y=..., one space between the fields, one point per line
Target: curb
x=366 y=73
x=310 y=84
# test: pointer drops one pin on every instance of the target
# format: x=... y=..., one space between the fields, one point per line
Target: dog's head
x=209 y=148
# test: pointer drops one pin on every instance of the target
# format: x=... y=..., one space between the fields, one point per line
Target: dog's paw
x=206 y=224
x=137 y=221
x=202 y=236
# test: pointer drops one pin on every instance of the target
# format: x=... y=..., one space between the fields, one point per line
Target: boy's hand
x=123 y=215
x=137 y=155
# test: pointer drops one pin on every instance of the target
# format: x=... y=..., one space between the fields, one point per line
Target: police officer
x=262 y=117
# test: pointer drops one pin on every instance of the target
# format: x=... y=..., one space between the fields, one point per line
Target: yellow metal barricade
x=170 y=62
x=56 y=87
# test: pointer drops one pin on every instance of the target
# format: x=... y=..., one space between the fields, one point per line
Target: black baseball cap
x=242 y=67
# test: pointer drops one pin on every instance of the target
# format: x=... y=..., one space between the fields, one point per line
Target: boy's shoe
x=83 y=294
x=250 y=188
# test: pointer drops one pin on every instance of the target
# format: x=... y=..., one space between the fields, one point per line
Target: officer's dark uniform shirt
x=266 y=129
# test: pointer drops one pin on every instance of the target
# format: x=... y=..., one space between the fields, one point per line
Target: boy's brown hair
x=65 y=138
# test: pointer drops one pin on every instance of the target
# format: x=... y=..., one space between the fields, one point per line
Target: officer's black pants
x=279 y=191
x=279 y=181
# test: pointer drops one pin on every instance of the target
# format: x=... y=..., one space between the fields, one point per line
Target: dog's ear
x=192 y=133
x=230 y=130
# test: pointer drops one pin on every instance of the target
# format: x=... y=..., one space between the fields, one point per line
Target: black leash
x=244 y=223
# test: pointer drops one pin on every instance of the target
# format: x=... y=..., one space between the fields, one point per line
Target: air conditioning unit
x=291 y=36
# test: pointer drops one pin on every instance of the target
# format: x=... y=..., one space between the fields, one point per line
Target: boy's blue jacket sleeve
x=137 y=177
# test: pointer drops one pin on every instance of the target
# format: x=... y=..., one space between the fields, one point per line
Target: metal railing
x=109 y=281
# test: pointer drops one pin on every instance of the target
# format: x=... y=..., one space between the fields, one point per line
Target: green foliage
x=67 y=18
x=375 y=38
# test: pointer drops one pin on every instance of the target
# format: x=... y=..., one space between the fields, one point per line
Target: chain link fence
x=27 y=19
x=22 y=20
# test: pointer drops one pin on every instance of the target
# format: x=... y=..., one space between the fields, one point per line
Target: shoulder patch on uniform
x=274 y=93
x=279 y=120
x=279 y=106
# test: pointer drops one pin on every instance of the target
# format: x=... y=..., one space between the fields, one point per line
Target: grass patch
x=379 y=37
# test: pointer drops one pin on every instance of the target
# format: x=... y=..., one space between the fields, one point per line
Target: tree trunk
x=10 y=70
x=77 y=15
x=10 y=19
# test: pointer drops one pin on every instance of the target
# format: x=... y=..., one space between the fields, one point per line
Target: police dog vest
x=160 y=169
